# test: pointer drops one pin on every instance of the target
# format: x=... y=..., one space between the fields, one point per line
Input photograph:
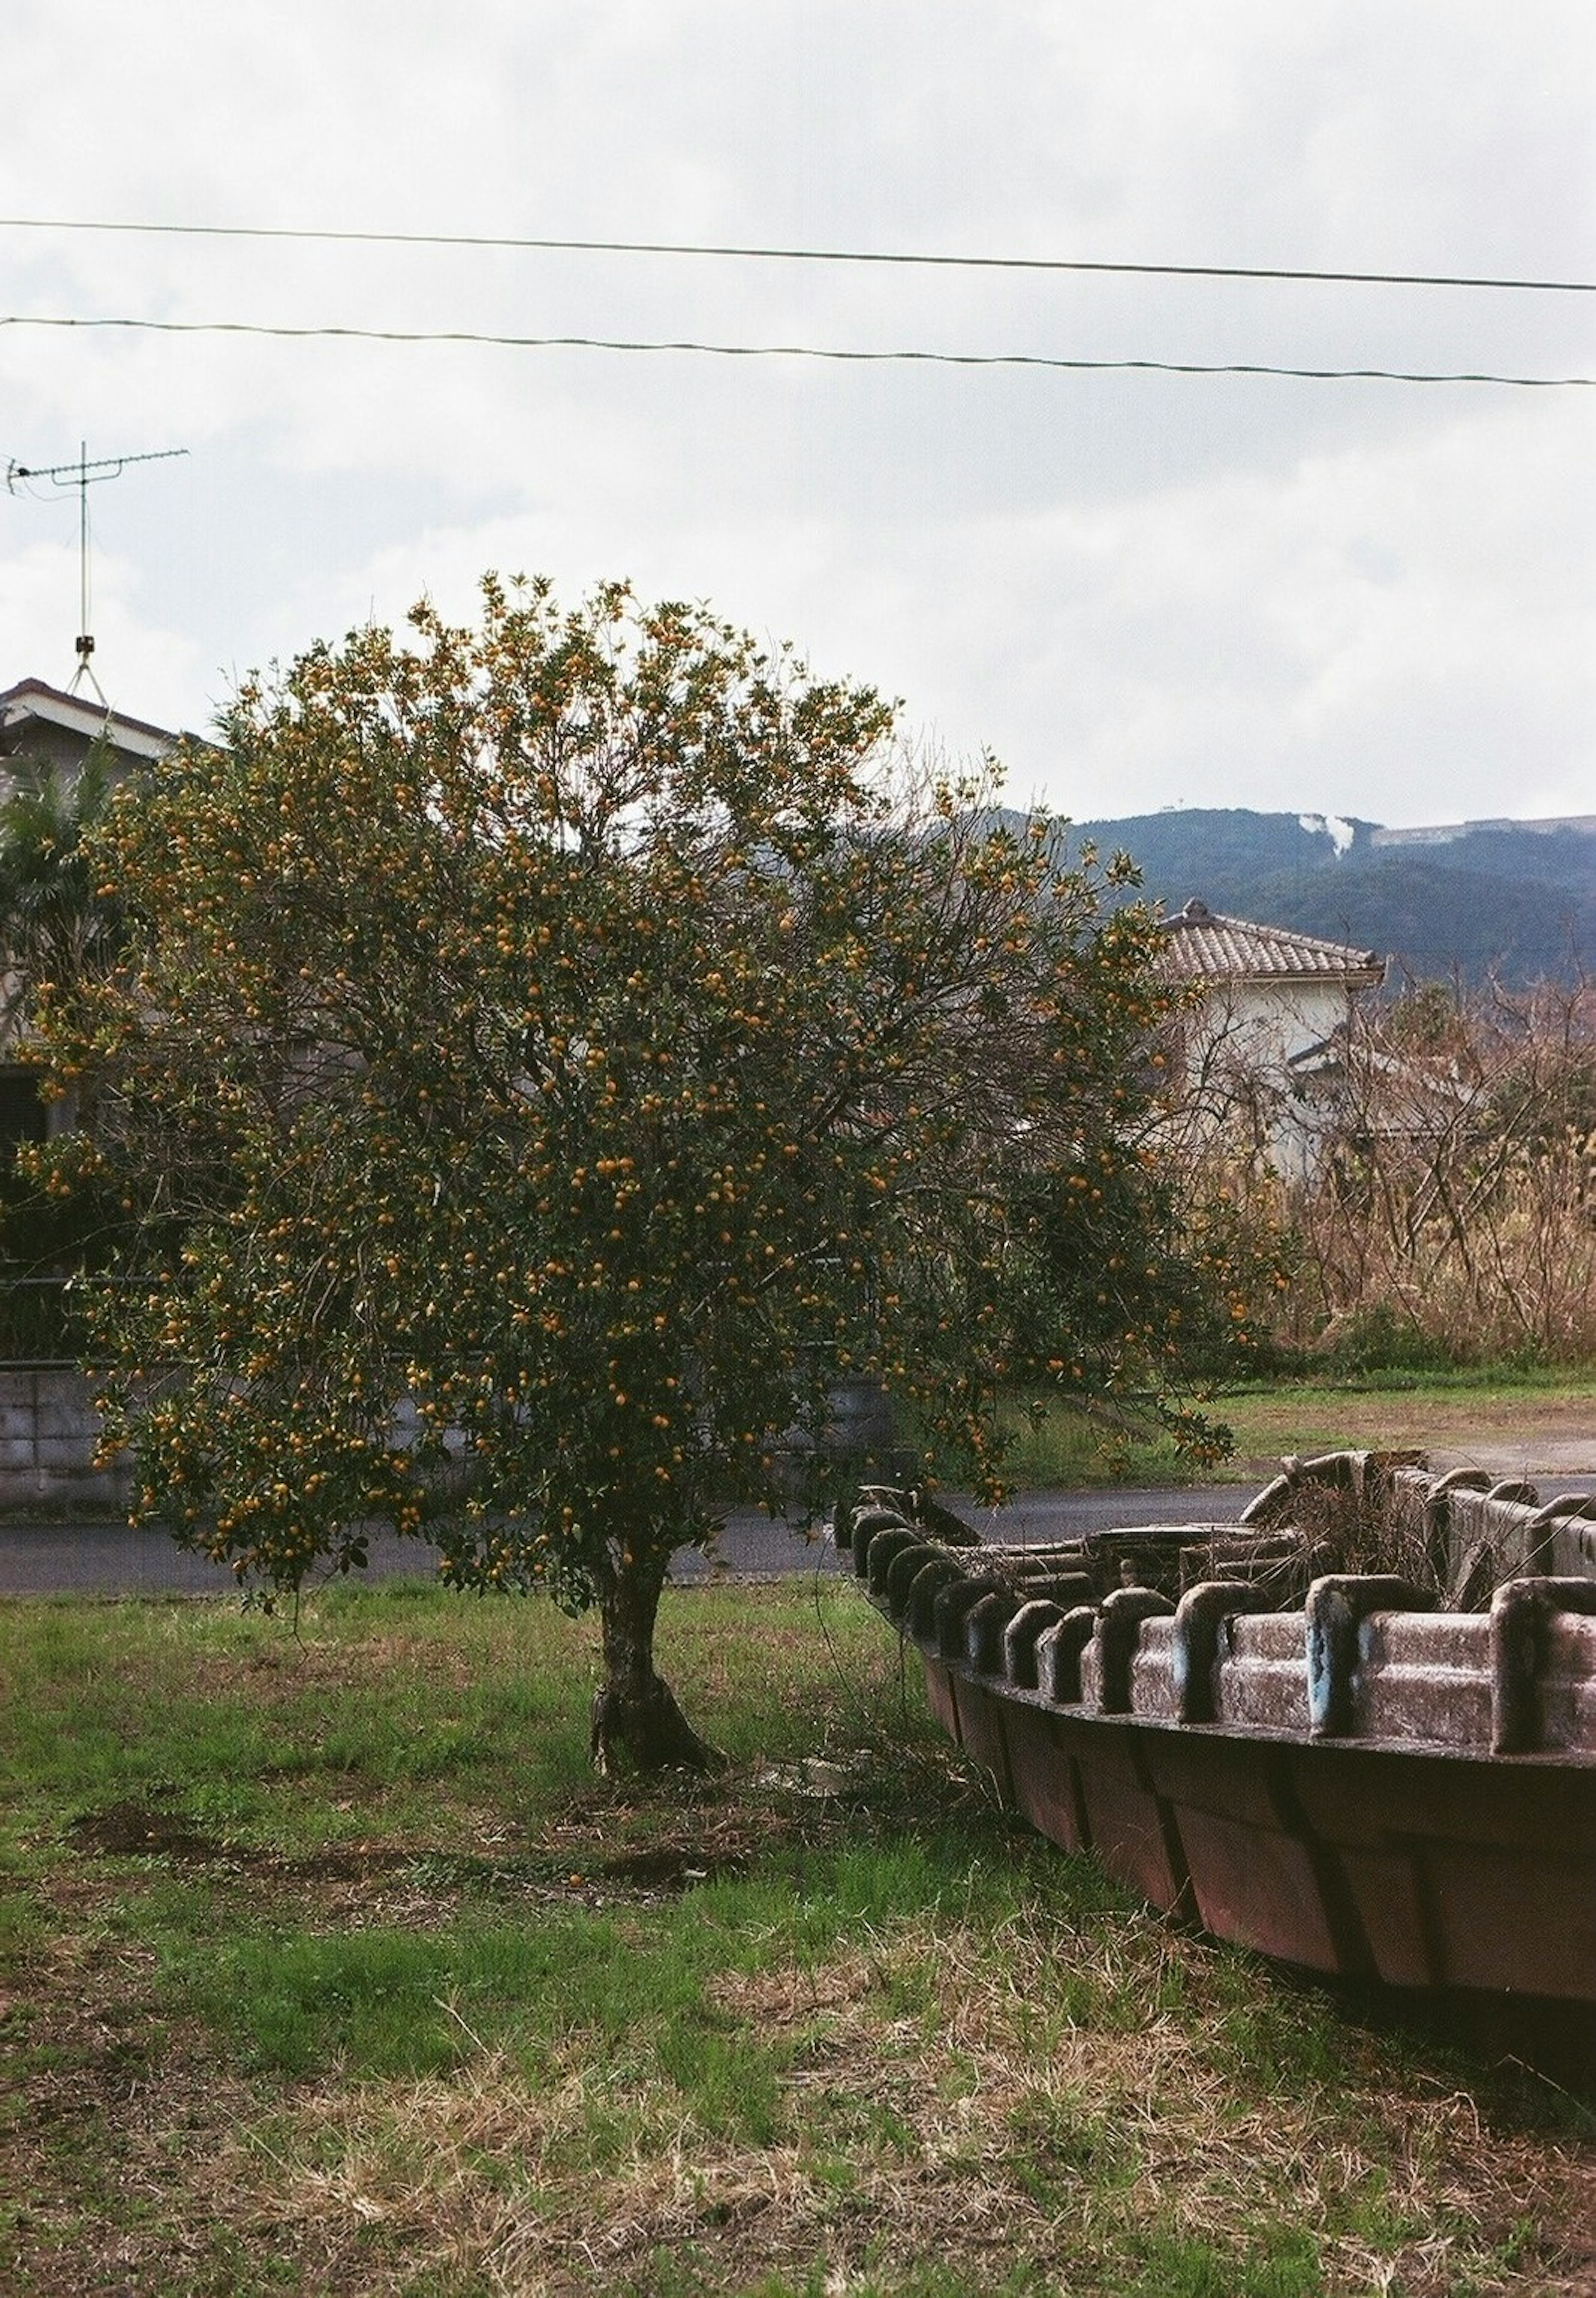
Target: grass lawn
x=1375 y=1409
x=328 y=1966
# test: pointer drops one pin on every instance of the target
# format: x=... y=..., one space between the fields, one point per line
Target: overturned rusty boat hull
x=1365 y=1778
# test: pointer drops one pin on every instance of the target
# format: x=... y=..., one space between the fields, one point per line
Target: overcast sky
x=1352 y=598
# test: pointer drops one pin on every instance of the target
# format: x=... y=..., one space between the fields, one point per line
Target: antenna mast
x=84 y=474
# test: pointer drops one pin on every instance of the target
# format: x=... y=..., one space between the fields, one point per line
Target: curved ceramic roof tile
x=1205 y=945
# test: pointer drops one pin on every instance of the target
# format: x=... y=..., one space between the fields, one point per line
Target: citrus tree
x=544 y=1060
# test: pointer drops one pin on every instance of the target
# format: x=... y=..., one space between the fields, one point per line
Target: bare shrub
x=1448 y=1213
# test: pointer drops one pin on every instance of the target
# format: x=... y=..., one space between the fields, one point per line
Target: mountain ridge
x=1503 y=899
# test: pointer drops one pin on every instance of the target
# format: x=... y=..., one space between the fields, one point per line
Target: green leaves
x=550 y=1055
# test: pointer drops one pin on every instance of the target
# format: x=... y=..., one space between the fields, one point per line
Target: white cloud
x=1353 y=598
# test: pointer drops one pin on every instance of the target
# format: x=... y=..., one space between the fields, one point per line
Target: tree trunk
x=636 y=1721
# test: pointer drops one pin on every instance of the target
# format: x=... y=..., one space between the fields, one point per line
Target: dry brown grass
x=958 y=2129
x=1306 y=1417
x=483 y=2181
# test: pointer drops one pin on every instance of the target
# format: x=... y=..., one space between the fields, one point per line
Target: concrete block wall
x=48 y=1433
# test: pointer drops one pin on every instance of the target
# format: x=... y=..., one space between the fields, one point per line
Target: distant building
x=46 y=735
x=45 y=731
x=49 y=1427
x=1265 y=1044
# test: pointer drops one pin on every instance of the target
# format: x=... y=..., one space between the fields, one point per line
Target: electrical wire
x=1036 y=359
x=755 y=254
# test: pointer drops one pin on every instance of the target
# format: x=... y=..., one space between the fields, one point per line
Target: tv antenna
x=84 y=474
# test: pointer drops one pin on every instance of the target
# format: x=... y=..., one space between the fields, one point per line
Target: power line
x=755 y=254
x=804 y=352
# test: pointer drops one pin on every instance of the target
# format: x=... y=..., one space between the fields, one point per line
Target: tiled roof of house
x=1203 y=946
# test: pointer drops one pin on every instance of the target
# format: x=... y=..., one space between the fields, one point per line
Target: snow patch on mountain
x=1339 y=832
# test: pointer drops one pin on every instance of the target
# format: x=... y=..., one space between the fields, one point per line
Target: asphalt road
x=101 y=1558
x=108 y=1559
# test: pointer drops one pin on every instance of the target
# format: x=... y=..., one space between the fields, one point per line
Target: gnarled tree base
x=638 y=1726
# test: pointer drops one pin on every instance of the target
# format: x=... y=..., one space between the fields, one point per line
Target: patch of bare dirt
x=668 y=1867
x=131 y=1830
x=598 y=1851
